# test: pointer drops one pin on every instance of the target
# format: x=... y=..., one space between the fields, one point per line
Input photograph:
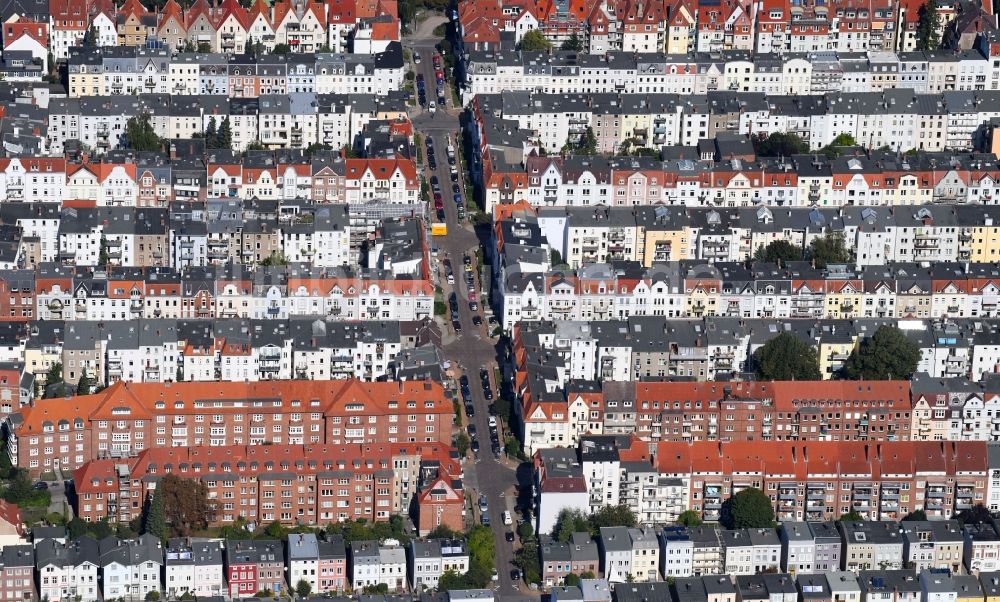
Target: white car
x=493 y=420
x=416 y=58
x=432 y=107
x=507 y=520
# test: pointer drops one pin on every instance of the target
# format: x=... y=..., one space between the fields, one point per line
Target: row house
x=293 y=121
x=350 y=481
x=193 y=567
x=428 y=560
x=694 y=290
x=752 y=557
x=374 y=563
x=588 y=189
x=253 y=566
x=577 y=556
x=805 y=71
x=124 y=179
x=239 y=567
x=655 y=347
x=228 y=27
x=880 y=481
x=130 y=568
x=319 y=561
x=203 y=414
x=775 y=27
x=904 y=119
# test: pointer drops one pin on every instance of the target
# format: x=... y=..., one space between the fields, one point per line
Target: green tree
x=303 y=589
x=450 y=580
x=835 y=148
x=225 y=137
x=281 y=49
x=690 y=518
x=55 y=374
x=275 y=530
x=512 y=447
x=975 y=515
x=928 y=25
x=211 y=134
x=588 y=142
x=535 y=41
x=203 y=48
x=571 y=580
x=316 y=147
x=574 y=43
x=886 y=355
x=140 y=135
x=443 y=532
x=104 y=257
x=748 y=509
x=779 y=144
x=853 y=515
x=90 y=38
x=462 y=443
x=152 y=596
x=155 y=521
x=378 y=588
x=786 y=357
x=525 y=531
x=587 y=575
x=482 y=550
x=570 y=521
x=916 y=515
x=528 y=560
x=613 y=516
x=276 y=258
x=84 y=385
x=779 y=251
x=829 y=249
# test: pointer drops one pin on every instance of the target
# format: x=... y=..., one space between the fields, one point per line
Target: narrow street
x=471 y=348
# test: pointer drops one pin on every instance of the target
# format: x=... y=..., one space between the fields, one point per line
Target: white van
x=507 y=518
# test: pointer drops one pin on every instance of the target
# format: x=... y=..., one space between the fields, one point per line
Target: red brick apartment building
x=822 y=480
x=292 y=484
x=127 y=418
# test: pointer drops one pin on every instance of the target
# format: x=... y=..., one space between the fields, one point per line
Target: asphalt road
x=471 y=348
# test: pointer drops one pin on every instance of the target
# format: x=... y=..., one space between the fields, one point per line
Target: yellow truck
x=439 y=229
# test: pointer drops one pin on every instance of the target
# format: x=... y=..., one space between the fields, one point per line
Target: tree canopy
x=586 y=145
x=690 y=518
x=534 y=41
x=779 y=144
x=185 y=504
x=829 y=249
x=928 y=26
x=886 y=355
x=748 y=509
x=786 y=357
x=779 y=251
x=573 y=43
x=140 y=135
x=853 y=515
x=974 y=515
x=155 y=520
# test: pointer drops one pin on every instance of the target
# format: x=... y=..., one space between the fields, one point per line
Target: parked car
x=475 y=446
x=483 y=503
